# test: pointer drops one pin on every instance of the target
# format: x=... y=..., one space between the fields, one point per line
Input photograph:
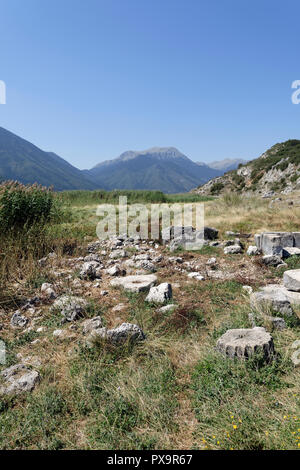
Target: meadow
x=173 y=391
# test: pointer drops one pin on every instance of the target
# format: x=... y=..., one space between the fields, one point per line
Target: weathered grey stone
x=90 y=270
x=93 y=246
x=296 y=236
x=116 y=254
x=92 y=257
x=70 y=307
x=211 y=262
x=273 y=243
x=127 y=332
x=248 y=289
x=277 y=323
x=91 y=324
x=232 y=250
x=160 y=294
x=142 y=257
x=290 y=251
x=167 y=308
x=146 y=265
x=291 y=280
x=271 y=260
x=172 y=232
x=19 y=378
x=187 y=236
x=243 y=343
x=196 y=275
x=137 y=283
x=115 y=271
x=295 y=357
x=47 y=289
x=18 y=321
x=275 y=298
x=258 y=240
x=252 y=251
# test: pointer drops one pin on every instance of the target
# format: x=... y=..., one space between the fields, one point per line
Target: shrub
x=216 y=188
x=22 y=205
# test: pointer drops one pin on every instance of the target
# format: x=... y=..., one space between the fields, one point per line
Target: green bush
x=22 y=205
x=216 y=188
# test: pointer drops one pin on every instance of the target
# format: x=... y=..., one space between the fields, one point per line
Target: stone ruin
x=186 y=236
x=284 y=244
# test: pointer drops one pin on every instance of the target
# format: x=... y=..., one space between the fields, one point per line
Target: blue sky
x=91 y=79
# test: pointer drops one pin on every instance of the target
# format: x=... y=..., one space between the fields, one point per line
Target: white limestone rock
x=138 y=283
x=160 y=294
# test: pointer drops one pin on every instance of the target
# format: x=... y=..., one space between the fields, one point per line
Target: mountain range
x=228 y=164
x=20 y=160
x=165 y=169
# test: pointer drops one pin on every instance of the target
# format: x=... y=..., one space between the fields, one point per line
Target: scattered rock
x=91 y=324
x=196 y=275
x=146 y=265
x=167 y=308
x=271 y=260
x=211 y=262
x=253 y=250
x=137 y=283
x=92 y=257
x=248 y=289
x=275 y=298
x=118 y=254
x=290 y=251
x=127 y=332
x=115 y=271
x=19 y=378
x=160 y=294
x=243 y=343
x=90 y=270
x=57 y=333
x=71 y=307
x=18 y=321
x=277 y=323
x=232 y=250
x=47 y=289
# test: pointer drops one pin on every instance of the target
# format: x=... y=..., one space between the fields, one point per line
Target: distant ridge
x=228 y=164
x=20 y=160
x=158 y=168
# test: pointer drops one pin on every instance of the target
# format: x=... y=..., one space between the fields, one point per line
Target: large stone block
x=244 y=342
x=291 y=280
x=273 y=243
x=276 y=298
x=296 y=236
x=257 y=240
